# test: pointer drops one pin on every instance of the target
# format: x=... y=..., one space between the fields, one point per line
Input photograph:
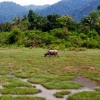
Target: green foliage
x=24 y=25
x=4 y=38
x=64 y=20
x=92 y=44
x=16 y=37
x=83 y=36
x=59 y=46
x=76 y=49
x=5 y=27
x=52 y=31
x=53 y=22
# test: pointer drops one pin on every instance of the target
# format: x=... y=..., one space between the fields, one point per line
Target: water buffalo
x=51 y=52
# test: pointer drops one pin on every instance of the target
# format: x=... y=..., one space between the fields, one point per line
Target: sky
x=35 y=2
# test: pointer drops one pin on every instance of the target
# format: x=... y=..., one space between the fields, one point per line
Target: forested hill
x=64 y=7
x=85 y=10
x=75 y=8
x=36 y=7
x=9 y=10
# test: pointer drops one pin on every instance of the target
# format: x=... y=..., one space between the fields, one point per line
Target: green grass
x=61 y=85
x=20 y=91
x=55 y=82
x=93 y=75
x=51 y=72
x=61 y=94
x=21 y=98
x=9 y=82
x=97 y=89
x=4 y=70
x=85 y=96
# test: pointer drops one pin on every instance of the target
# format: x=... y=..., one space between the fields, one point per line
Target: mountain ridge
x=77 y=9
x=71 y=7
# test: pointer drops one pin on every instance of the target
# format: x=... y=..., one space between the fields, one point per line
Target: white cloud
x=35 y=2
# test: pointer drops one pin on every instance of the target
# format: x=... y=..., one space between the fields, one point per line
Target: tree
x=5 y=27
x=90 y=20
x=64 y=20
x=31 y=19
x=24 y=25
x=98 y=7
x=94 y=15
x=24 y=18
x=52 y=21
x=16 y=21
x=15 y=37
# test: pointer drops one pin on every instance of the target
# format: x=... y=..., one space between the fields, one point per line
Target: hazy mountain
x=75 y=8
x=9 y=10
x=36 y=7
x=85 y=10
x=64 y=7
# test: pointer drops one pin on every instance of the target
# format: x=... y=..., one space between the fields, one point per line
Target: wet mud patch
x=98 y=84
x=86 y=82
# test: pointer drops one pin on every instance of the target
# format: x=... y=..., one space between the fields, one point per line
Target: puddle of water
x=86 y=82
x=9 y=75
x=1 y=87
x=48 y=94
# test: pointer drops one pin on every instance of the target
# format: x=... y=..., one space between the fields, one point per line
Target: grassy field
x=51 y=72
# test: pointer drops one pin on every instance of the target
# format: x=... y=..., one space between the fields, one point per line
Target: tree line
x=52 y=31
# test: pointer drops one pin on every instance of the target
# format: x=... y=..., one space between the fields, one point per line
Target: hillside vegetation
x=53 y=31
x=77 y=9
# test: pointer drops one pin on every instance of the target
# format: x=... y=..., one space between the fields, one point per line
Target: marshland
x=26 y=74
